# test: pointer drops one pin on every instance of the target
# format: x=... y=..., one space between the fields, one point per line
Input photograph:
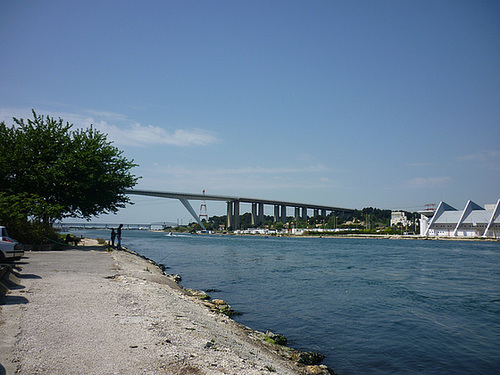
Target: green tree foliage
x=246 y=221
x=52 y=171
x=15 y=212
x=215 y=222
x=278 y=225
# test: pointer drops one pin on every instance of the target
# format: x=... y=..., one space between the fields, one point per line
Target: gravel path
x=93 y=312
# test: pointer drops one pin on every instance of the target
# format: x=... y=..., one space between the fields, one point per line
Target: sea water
x=371 y=306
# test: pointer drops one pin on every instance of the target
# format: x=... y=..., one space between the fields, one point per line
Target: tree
x=15 y=211
x=64 y=172
x=278 y=225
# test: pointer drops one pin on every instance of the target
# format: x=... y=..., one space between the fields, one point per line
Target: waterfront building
x=398 y=217
x=472 y=221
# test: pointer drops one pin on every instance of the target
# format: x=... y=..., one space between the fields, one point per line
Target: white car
x=9 y=249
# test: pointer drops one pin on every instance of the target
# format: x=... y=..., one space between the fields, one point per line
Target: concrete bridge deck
x=233 y=206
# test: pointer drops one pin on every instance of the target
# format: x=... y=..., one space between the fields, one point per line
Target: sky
x=386 y=104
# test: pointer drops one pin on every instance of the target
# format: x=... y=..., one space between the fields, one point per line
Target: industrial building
x=472 y=221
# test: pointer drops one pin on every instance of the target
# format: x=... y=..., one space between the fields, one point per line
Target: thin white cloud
x=487 y=159
x=428 y=182
x=173 y=170
x=139 y=135
x=109 y=116
x=419 y=164
x=481 y=155
x=120 y=130
x=268 y=170
x=6 y=114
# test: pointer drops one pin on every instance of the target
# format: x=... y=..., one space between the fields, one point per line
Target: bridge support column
x=297 y=213
x=323 y=213
x=276 y=213
x=229 y=224
x=257 y=213
x=236 y=205
x=233 y=215
x=316 y=212
x=186 y=204
x=261 y=213
x=304 y=213
x=283 y=213
x=255 y=219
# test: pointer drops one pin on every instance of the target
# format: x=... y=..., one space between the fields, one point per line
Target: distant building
x=472 y=221
x=398 y=217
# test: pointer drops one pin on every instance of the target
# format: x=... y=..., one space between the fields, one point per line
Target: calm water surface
x=371 y=306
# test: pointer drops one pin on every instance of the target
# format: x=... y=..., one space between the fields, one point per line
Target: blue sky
x=388 y=104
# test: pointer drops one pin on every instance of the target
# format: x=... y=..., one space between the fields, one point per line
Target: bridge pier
x=237 y=214
x=283 y=213
x=257 y=213
x=276 y=212
x=300 y=213
x=229 y=215
x=188 y=206
x=233 y=215
x=280 y=213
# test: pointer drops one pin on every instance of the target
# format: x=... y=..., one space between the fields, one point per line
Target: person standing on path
x=113 y=236
x=119 y=235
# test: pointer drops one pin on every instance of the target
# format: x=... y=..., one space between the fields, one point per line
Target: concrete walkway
x=93 y=312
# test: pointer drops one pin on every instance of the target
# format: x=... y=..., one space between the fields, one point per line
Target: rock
x=309 y=358
x=224 y=308
x=198 y=294
x=219 y=302
x=176 y=277
x=227 y=310
x=163 y=267
x=209 y=344
x=319 y=370
x=276 y=338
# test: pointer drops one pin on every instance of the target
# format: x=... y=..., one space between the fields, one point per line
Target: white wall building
x=399 y=217
x=472 y=221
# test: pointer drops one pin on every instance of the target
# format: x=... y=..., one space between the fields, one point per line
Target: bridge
x=233 y=206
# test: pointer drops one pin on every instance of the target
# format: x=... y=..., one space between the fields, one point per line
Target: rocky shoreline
x=87 y=310
x=310 y=362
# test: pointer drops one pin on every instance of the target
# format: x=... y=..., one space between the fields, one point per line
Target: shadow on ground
x=13 y=300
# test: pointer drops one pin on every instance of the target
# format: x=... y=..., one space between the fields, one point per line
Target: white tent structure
x=473 y=221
